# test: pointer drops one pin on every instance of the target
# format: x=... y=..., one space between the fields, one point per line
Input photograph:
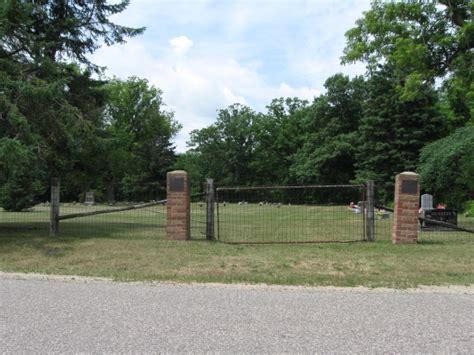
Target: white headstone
x=427 y=202
x=89 y=198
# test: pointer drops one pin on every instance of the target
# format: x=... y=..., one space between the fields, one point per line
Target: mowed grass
x=131 y=246
x=255 y=223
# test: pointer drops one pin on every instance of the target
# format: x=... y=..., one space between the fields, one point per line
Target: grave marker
x=89 y=200
x=427 y=202
x=440 y=214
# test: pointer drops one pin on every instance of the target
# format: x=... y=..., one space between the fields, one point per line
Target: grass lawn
x=131 y=246
x=288 y=223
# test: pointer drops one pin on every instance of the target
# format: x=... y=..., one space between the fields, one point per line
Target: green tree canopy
x=279 y=134
x=421 y=41
x=50 y=107
x=226 y=148
x=138 y=136
x=447 y=167
x=392 y=132
x=60 y=30
x=330 y=133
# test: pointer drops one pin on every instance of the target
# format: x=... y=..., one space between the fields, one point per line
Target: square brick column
x=407 y=201
x=178 y=209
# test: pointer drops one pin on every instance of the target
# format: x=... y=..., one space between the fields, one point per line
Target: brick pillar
x=178 y=212
x=407 y=197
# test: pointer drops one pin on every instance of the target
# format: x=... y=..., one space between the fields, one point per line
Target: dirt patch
x=452 y=289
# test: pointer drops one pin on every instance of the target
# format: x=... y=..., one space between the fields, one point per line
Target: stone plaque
x=427 y=202
x=442 y=215
x=409 y=187
x=177 y=184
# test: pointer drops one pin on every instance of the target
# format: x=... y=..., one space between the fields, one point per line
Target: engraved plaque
x=409 y=187
x=177 y=184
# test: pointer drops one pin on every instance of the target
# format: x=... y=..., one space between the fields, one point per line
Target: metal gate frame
x=368 y=211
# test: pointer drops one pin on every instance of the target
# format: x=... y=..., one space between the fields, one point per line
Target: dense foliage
x=447 y=167
x=418 y=89
x=412 y=110
x=137 y=142
x=56 y=119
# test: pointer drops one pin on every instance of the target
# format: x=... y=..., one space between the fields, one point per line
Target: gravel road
x=40 y=316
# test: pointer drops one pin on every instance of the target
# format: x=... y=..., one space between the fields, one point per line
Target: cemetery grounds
x=131 y=246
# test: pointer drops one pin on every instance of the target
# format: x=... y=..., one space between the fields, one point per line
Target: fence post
x=54 y=215
x=370 y=211
x=210 y=200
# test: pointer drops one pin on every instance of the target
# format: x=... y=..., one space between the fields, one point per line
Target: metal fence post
x=54 y=215
x=210 y=200
x=370 y=211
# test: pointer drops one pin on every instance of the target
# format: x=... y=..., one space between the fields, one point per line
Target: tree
x=392 y=131
x=421 y=41
x=55 y=118
x=226 y=148
x=447 y=167
x=21 y=176
x=51 y=108
x=55 y=30
x=330 y=138
x=191 y=162
x=138 y=137
x=408 y=48
x=279 y=135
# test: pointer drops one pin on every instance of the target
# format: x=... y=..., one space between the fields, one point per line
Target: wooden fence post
x=210 y=200
x=54 y=216
x=370 y=212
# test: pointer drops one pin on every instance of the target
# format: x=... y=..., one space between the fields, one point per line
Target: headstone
x=89 y=200
x=427 y=202
x=440 y=214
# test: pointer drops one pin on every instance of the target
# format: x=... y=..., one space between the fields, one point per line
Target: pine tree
x=392 y=132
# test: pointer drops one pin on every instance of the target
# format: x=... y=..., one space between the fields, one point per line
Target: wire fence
x=198 y=216
x=30 y=222
x=268 y=214
x=92 y=216
x=137 y=213
x=430 y=232
x=115 y=222
x=384 y=227
x=290 y=214
x=455 y=215
x=140 y=215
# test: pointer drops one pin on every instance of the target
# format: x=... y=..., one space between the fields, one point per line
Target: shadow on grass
x=79 y=230
x=431 y=242
x=16 y=236
x=32 y=237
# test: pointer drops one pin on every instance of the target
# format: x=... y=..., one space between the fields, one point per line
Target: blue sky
x=205 y=55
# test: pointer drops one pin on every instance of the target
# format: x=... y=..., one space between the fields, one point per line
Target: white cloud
x=206 y=55
x=285 y=90
x=195 y=87
x=180 y=45
x=230 y=98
